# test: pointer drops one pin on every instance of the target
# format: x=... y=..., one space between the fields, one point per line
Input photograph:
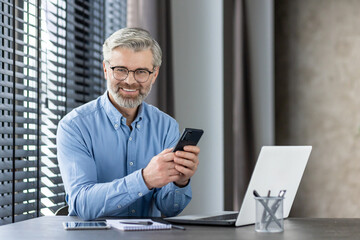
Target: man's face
x=129 y=93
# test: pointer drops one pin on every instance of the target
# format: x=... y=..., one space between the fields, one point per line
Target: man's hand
x=187 y=162
x=161 y=170
x=169 y=167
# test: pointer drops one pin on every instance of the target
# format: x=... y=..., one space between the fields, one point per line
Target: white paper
x=123 y=224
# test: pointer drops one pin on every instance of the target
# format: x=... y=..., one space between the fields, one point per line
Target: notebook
x=277 y=168
x=137 y=224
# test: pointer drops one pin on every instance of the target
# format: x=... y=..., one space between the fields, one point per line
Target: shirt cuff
x=180 y=196
x=136 y=185
x=180 y=190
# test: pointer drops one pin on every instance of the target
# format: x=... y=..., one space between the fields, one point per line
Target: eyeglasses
x=140 y=75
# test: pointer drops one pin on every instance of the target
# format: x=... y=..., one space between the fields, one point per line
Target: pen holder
x=269 y=214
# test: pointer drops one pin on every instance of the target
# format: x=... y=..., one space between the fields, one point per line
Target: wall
x=318 y=102
x=198 y=71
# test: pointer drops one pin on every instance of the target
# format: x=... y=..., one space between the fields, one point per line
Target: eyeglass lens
x=140 y=75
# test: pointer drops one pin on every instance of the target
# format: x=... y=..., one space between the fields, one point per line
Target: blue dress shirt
x=101 y=160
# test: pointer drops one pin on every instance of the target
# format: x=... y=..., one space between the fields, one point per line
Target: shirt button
x=176 y=205
x=140 y=194
x=138 y=126
x=130 y=139
x=177 y=191
x=131 y=163
x=119 y=206
x=116 y=125
x=133 y=211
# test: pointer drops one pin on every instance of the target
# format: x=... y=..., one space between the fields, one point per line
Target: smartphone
x=190 y=136
x=85 y=225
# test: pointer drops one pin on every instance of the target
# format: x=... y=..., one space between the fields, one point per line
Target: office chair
x=63 y=211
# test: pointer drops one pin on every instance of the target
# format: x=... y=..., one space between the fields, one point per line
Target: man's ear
x=156 y=73
x=105 y=70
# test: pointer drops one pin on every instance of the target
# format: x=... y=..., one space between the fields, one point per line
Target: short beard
x=127 y=102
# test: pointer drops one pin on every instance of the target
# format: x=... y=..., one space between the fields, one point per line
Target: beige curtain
x=238 y=132
x=248 y=96
x=154 y=16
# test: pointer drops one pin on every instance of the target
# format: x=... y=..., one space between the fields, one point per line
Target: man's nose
x=130 y=78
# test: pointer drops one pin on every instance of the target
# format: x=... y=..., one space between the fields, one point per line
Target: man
x=115 y=153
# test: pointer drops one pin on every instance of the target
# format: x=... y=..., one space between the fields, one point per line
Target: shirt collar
x=114 y=115
x=140 y=114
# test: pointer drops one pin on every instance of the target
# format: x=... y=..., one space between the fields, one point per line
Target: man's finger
x=167 y=150
x=175 y=178
x=184 y=162
x=168 y=157
x=185 y=171
x=193 y=149
x=186 y=155
x=173 y=172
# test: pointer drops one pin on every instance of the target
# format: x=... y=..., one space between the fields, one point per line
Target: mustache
x=127 y=86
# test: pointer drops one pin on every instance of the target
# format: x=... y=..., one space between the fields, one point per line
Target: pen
x=138 y=222
x=264 y=212
x=177 y=227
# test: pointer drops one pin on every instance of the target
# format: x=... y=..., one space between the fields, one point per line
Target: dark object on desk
x=177 y=227
x=138 y=223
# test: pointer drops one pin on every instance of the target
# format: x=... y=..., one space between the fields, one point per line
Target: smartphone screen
x=190 y=136
x=85 y=225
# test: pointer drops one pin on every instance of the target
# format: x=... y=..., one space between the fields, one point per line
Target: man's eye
x=141 y=71
x=120 y=70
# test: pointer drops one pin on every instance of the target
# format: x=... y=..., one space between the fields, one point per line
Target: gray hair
x=136 y=39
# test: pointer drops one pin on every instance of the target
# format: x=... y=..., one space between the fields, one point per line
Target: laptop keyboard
x=221 y=217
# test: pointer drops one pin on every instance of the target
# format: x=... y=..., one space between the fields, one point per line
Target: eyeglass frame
x=133 y=71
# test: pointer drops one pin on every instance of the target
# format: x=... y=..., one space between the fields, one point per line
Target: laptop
x=277 y=168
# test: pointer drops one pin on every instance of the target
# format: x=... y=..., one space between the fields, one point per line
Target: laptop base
x=227 y=219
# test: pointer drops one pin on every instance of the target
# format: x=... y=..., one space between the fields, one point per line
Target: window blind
x=20 y=112
x=50 y=63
